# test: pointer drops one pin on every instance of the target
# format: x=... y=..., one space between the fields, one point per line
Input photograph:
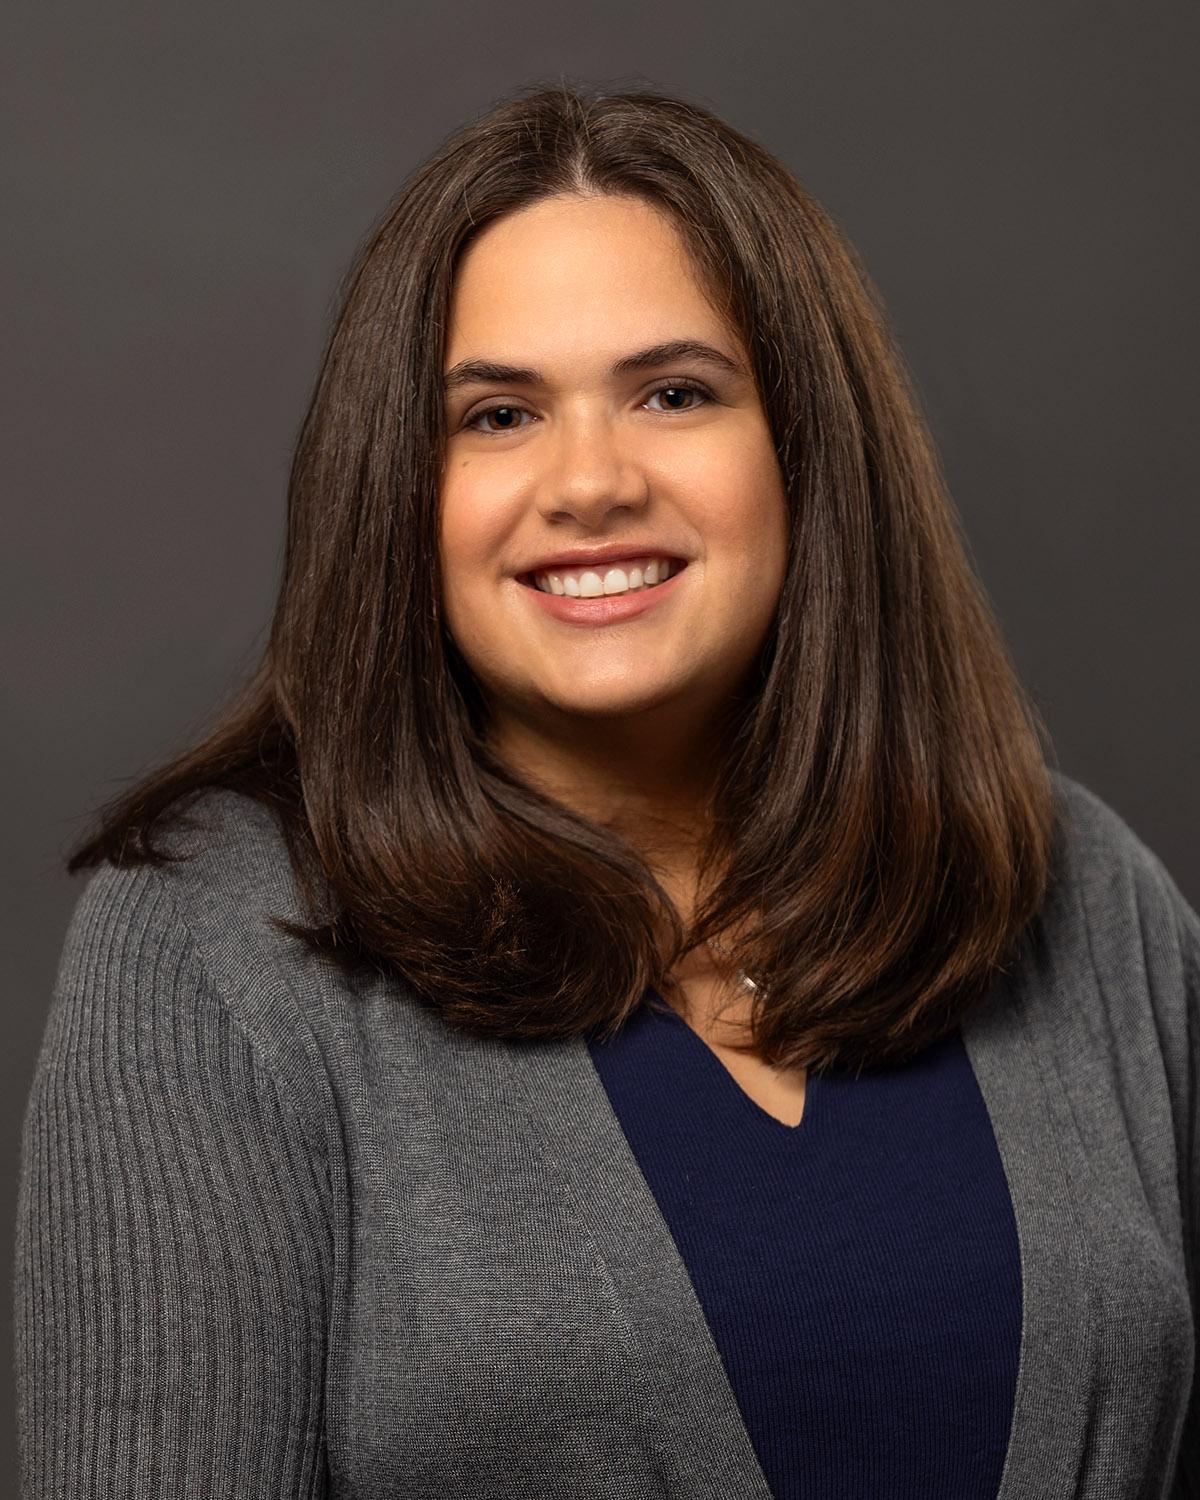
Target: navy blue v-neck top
x=859 y=1272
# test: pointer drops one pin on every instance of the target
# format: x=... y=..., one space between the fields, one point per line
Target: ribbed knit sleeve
x=173 y=1251
x=1171 y=938
x=1187 y=1485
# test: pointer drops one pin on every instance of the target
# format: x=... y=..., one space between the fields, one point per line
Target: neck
x=625 y=776
x=652 y=789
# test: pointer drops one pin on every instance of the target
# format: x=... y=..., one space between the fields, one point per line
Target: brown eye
x=685 y=389
x=506 y=411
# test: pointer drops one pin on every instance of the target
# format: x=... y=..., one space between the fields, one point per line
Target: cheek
x=478 y=510
x=747 y=516
x=469 y=541
x=473 y=541
x=739 y=476
x=457 y=569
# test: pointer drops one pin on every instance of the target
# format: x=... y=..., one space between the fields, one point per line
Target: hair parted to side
x=882 y=829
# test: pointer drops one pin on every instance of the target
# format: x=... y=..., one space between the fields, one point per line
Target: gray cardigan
x=283 y=1236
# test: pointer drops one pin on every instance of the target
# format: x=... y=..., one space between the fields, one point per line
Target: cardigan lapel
x=1034 y=1133
x=692 y=1417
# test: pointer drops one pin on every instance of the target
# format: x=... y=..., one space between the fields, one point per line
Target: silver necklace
x=742 y=977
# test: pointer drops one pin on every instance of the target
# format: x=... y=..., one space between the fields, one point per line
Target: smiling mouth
x=577 y=589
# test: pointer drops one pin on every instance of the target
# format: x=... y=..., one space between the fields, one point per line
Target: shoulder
x=201 y=926
x=228 y=874
x=1121 y=885
x=1115 y=976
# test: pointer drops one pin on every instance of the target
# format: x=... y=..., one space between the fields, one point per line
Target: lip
x=595 y=557
x=605 y=609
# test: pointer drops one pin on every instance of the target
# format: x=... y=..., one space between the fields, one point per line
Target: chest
x=523 y=1323
x=779 y=1091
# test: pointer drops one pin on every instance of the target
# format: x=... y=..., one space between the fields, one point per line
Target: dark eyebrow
x=486 y=372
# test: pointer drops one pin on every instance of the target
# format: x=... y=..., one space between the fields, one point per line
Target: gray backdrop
x=183 y=188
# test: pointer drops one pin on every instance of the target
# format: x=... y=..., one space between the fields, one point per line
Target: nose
x=590 y=472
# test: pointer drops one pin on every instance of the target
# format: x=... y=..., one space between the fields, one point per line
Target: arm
x=1187 y=929
x=173 y=1254
x=1188 y=1472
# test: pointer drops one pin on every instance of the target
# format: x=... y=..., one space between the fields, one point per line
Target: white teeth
x=592 y=584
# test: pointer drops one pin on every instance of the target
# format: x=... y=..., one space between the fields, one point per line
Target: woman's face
x=582 y=447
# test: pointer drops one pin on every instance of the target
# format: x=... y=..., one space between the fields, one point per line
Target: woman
x=620 y=1005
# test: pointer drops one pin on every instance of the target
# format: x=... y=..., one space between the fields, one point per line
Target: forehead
x=573 y=273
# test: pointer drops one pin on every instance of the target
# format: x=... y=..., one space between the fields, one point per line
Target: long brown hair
x=883 y=822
